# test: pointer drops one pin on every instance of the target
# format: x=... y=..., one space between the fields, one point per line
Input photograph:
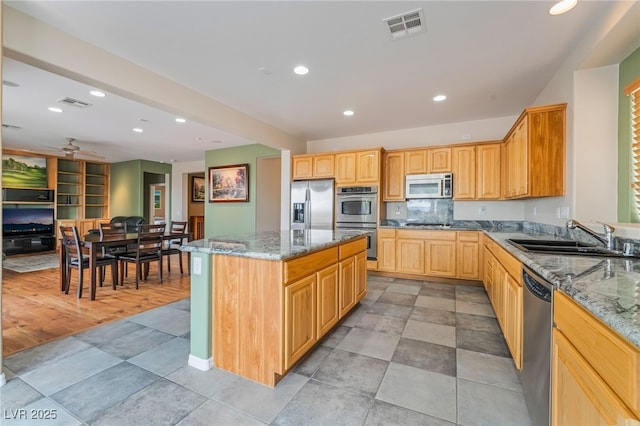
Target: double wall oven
x=357 y=208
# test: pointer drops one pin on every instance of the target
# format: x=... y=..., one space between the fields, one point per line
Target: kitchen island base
x=267 y=314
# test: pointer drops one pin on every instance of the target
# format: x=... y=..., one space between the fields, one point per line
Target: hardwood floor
x=35 y=311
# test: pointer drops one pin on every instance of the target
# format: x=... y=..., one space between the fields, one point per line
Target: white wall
x=595 y=153
x=444 y=134
x=180 y=187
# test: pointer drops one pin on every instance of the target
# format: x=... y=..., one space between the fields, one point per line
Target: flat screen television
x=28 y=222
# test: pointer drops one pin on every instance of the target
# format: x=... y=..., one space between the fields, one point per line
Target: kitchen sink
x=568 y=247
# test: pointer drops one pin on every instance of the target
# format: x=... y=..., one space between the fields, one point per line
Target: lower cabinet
x=347 y=287
x=595 y=376
x=300 y=302
x=502 y=279
x=449 y=254
x=579 y=396
x=328 y=297
x=441 y=254
x=410 y=254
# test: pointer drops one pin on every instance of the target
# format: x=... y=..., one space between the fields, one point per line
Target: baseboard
x=200 y=363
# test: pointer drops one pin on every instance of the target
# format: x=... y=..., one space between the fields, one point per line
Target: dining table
x=94 y=243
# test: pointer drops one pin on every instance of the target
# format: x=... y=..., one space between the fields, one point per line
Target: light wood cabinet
x=579 y=396
x=416 y=161
x=269 y=313
x=302 y=167
x=513 y=301
x=347 y=285
x=464 y=172
x=503 y=282
x=440 y=160
x=387 y=250
x=311 y=166
x=300 y=318
x=368 y=167
x=451 y=254
x=614 y=360
x=488 y=171
x=361 y=276
x=323 y=166
x=352 y=275
x=534 y=154
x=328 y=299
x=440 y=250
x=345 y=168
x=467 y=255
x=393 y=177
x=410 y=256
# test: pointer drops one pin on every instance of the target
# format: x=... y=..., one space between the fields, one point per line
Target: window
x=633 y=91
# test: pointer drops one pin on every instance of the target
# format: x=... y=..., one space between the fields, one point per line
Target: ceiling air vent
x=10 y=126
x=74 y=102
x=406 y=24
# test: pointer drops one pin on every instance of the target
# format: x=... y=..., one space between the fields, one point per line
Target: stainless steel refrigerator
x=312 y=204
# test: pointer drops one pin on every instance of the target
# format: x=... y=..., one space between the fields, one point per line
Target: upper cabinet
x=488 y=171
x=534 y=154
x=464 y=172
x=427 y=160
x=313 y=166
x=347 y=167
x=358 y=167
x=416 y=161
x=393 y=180
x=440 y=160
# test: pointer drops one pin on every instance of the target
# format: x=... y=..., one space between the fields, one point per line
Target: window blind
x=633 y=91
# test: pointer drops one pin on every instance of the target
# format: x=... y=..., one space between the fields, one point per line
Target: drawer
x=468 y=236
x=305 y=265
x=386 y=233
x=352 y=248
x=611 y=356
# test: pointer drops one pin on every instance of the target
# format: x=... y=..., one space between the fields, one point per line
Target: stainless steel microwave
x=433 y=185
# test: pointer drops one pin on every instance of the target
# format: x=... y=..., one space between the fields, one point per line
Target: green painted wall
x=127 y=185
x=629 y=71
x=233 y=218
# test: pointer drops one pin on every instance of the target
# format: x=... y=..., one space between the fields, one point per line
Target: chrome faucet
x=608 y=240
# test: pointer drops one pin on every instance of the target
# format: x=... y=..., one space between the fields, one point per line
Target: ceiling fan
x=70 y=150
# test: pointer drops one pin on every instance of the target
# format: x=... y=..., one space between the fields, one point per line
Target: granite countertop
x=608 y=287
x=273 y=245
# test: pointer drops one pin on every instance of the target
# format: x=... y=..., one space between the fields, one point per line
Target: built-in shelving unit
x=96 y=186
x=69 y=189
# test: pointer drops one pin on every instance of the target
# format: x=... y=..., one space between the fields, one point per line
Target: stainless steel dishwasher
x=536 y=357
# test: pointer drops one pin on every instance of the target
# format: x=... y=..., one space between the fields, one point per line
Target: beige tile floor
x=412 y=353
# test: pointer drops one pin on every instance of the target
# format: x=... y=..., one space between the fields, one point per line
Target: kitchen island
x=265 y=299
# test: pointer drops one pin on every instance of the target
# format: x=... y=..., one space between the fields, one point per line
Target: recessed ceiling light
x=98 y=94
x=562 y=7
x=138 y=130
x=347 y=112
x=301 y=70
x=180 y=120
x=54 y=109
x=439 y=98
x=197 y=138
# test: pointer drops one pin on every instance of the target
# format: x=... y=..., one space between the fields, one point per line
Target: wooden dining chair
x=148 y=249
x=173 y=246
x=78 y=257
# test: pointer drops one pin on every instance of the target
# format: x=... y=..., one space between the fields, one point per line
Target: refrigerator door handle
x=307 y=209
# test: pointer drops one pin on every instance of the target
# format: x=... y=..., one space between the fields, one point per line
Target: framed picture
x=197 y=189
x=229 y=183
